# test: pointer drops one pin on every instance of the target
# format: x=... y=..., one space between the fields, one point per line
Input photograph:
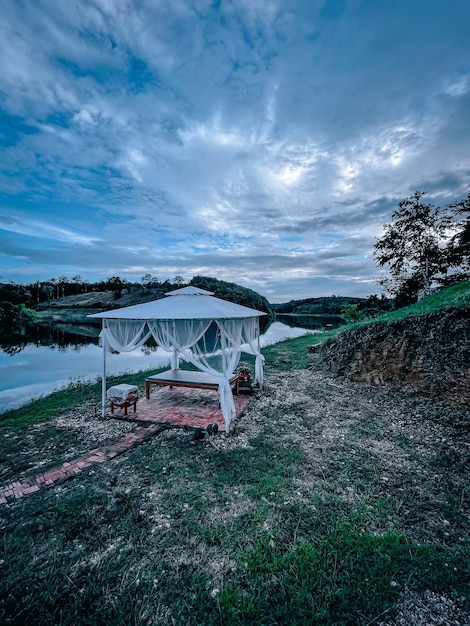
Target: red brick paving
x=182 y=407
x=166 y=408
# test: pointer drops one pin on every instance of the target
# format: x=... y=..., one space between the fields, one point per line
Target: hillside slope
x=428 y=352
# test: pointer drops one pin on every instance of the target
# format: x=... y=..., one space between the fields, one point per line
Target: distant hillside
x=333 y=305
x=233 y=293
x=76 y=308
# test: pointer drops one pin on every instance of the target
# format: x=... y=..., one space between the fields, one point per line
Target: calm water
x=30 y=369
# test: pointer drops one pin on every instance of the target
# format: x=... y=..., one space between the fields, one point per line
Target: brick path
x=167 y=408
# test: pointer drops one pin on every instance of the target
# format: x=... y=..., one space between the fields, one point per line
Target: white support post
x=104 y=346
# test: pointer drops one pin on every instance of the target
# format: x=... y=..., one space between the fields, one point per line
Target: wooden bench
x=185 y=378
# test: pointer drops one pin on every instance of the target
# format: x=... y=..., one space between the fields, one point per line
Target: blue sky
x=264 y=142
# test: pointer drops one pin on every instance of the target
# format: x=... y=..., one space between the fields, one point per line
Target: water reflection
x=44 y=358
x=62 y=336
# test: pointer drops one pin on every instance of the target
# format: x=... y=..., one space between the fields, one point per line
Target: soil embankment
x=429 y=354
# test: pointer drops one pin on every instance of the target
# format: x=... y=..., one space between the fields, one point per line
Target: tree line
x=18 y=301
x=342 y=306
x=43 y=291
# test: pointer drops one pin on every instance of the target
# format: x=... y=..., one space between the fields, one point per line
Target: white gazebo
x=193 y=324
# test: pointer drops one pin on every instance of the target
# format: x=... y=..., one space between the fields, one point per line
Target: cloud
x=265 y=142
x=38 y=229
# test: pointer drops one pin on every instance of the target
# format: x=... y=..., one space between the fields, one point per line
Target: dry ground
x=312 y=455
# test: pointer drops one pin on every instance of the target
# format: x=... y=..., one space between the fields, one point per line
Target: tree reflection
x=51 y=336
x=311 y=322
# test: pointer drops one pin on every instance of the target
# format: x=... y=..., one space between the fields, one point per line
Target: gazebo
x=191 y=323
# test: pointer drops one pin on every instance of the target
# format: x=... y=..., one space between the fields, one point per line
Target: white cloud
x=38 y=229
x=227 y=140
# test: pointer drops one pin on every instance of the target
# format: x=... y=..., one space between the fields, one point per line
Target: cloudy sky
x=264 y=142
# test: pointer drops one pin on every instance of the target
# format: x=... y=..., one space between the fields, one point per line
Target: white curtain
x=122 y=336
x=186 y=336
x=179 y=334
x=250 y=341
x=125 y=335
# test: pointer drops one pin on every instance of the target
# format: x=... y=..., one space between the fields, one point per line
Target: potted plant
x=244 y=378
x=244 y=372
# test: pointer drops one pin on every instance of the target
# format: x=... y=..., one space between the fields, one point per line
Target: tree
x=459 y=246
x=149 y=281
x=53 y=283
x=78 y=281
x=62 y=281
x=179 y=280
x=414 y=246
x=116 y=285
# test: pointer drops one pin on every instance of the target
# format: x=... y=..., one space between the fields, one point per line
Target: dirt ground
x=427 y=353
x=361 y=443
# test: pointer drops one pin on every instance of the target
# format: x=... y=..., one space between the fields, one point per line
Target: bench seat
x=185 y=378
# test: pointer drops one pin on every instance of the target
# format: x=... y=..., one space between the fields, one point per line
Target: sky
x=262 y=142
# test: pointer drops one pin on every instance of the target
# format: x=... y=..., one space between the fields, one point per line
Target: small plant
x=353 y=313
x=244 y=370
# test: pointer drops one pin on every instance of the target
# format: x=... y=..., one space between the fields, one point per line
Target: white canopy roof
x=179 y=325
x=186 y=303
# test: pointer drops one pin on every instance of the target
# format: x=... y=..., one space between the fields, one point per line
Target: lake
x=50 y=358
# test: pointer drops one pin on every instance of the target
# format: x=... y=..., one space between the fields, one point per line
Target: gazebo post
x=223 y=346
x=103 y=379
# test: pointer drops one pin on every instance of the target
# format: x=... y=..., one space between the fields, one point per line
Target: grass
x=331 y=503
x=100 y=552
x=455 y=296
x=292 y=353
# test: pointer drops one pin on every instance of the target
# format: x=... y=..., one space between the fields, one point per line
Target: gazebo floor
x=179 y=406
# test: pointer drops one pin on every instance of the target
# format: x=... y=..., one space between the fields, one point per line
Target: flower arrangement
x=244 y=371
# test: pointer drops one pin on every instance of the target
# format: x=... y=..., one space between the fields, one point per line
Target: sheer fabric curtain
x=125 y=335
x=251 y=345
x=122 y=336
x=185 y=336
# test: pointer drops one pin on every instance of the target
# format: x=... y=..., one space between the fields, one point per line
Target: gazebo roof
x=182 y=304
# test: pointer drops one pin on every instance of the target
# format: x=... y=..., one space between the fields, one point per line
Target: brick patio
x=167 y=408
x=179 y=406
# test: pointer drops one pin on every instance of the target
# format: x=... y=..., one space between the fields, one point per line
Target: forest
x=18 y=303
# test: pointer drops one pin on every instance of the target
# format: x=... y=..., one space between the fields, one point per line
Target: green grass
x=96 y=554
x=455 y=296
x=292 y=353
x=335 y=578
x=447 y=298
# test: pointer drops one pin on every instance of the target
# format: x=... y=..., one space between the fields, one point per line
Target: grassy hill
x=449 y=297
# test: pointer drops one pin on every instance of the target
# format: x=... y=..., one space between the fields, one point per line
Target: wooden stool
x=123 y=396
